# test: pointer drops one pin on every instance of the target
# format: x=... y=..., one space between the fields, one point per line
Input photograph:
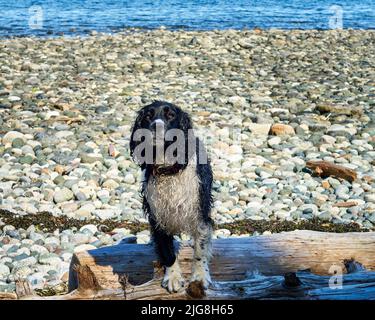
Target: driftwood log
x=326 y=169
x=290 y=265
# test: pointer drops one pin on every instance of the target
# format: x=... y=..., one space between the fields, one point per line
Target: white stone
x=274 y=141
x=110 y=184
x=370 y=197
x=238 y=101
x=91 y=227
x=14 y=98
x=104 y=213
x=4 y=271
x=64 y=134
x=63 y=195
x=84 y=247
x=11 y=135
x=260 y=129
x=103 y=195
x=37 y=280
x=129 y=178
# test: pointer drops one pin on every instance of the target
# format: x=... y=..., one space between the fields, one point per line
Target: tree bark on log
x=260 y=267
x=326 y=169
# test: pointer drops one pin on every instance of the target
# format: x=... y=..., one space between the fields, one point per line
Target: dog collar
x=157 y=170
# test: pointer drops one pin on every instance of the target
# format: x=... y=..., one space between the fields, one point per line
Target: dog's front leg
x=173 y=279
x=202 y=255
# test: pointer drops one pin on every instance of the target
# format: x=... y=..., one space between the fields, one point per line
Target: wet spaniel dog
x=176 y=188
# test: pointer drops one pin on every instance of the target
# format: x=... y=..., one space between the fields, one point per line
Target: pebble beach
x=264 y=101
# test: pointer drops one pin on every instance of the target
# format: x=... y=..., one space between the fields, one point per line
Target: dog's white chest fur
x=174 y=200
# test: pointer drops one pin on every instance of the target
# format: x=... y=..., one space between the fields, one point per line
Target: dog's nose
x=157 y=126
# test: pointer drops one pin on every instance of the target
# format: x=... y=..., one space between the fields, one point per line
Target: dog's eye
x=170 y=115
x=148 y=116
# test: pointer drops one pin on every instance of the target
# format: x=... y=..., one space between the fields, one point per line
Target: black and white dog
x=176 y=189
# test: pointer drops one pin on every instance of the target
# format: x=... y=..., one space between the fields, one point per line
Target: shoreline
x=134 y=30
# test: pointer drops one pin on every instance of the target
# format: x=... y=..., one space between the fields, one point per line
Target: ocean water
x=70 y=17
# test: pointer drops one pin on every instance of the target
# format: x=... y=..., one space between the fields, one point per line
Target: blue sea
x=71 y=17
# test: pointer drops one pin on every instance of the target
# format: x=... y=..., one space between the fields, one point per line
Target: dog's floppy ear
x=137 y=125
x=186 y=125
x=185 y=121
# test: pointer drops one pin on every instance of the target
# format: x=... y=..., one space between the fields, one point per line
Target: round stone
x=342 y=192
x=4 y=271
x=18 y=143
x=50 y=259
x=14 y=98
x=103 y=195
x=309 y=209
x=12 y=135
x=110 y=184
x=91 y=158
x=63 y=195
x=274 y=141
x=26 y=160
x=129 y=178
x=370 y=197
x=90 y=227
x=85 y=211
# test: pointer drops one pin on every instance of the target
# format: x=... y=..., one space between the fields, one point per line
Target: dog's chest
x=174 y=200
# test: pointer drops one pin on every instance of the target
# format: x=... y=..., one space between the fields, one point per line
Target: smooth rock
x=63 y=195
x=279 y=129
x=12 y=135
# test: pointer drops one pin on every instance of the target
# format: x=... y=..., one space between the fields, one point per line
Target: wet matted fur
x=177 y=198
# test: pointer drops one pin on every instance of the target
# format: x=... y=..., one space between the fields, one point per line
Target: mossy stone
x=18 y=143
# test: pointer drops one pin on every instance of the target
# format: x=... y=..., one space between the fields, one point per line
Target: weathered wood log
x=233 y=258
x=261 y=267
x=326 y=169
x=346 y=204
x=8 y=296
x=357 y=285
x=23 y=288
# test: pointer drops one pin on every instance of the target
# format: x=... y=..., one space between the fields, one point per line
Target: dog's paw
x=173 y=280
x=202 y=274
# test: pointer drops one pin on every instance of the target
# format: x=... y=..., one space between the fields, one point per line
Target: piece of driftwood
x=326 y=169
x=346 y=204
x=274 y=254
x=23 y=288
x=260 y=267
x=357 y=285
x=8 y=296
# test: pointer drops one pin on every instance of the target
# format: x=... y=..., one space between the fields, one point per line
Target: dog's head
x=161 y=137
